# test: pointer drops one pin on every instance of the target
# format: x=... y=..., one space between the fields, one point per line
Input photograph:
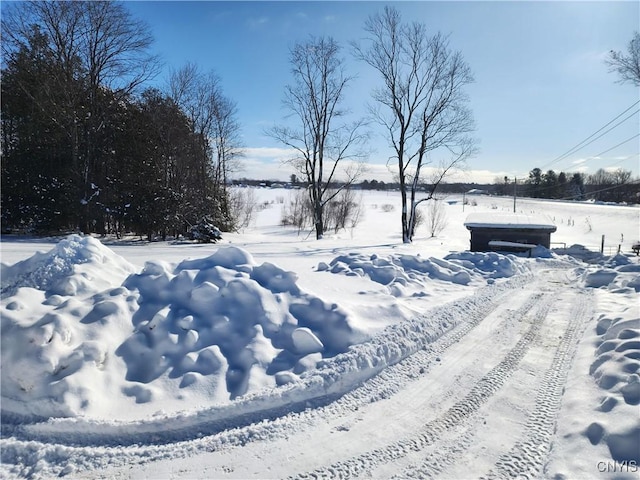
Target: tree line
x=84 y=147
x=604 y=185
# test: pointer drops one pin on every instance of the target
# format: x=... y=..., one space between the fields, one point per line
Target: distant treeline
x=604 y=186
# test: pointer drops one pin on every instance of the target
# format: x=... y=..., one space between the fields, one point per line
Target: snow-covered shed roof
x=508 y=220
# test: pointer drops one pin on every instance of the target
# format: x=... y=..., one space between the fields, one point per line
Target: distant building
x=508 y=232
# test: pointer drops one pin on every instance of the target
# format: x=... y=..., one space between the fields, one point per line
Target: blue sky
x=541 y=84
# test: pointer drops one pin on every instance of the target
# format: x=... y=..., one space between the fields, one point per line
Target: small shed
x=508 y=232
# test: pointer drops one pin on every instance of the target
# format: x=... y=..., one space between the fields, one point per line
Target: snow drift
x=82 y=334
x=206 y=330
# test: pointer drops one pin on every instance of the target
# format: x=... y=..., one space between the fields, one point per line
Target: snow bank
x=616 y=273
x=75 y=266
x=83 y=335
x=404 y=273
x=224 y=322
x=489 y=264
x=207 y=330
x=580 y=252
x=616 y=370
x=58 y=332
x=616 y=365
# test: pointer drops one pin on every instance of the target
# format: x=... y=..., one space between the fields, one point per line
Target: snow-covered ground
x=272 y=354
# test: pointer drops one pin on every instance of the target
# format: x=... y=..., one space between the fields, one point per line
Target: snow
x=126 y=359
x=508 y=220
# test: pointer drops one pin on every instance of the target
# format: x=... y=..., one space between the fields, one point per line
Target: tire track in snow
x=527 y=457
x=394 y=378
x=488 y=385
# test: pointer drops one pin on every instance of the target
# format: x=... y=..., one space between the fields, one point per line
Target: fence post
x=602 y=245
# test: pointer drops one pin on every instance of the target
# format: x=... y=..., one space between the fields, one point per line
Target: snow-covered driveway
x=481 y=400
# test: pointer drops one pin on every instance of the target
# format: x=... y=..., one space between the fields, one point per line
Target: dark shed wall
x=480 y=237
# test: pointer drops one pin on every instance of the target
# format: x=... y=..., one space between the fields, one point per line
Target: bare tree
x=198 y=94
x=214 y=120
x=627 y=66
x=437 y=217
x=243 y=205
x=612 y=185
x=226 y=139
x=421 y=105
x=325 y=149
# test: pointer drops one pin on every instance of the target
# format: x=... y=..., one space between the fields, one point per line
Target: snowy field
x=272 y=354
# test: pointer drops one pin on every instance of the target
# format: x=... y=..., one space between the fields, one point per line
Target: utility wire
x=593 y=140
x=616 y=146
x=613 y=187
x=622 y=160
x=583 y=142
x=539 y=188
x=613 y=148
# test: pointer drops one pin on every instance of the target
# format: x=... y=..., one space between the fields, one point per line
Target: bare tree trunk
x=322 y=148
x=422 y=105
x=213 y=118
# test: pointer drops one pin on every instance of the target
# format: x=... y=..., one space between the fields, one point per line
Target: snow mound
x=580 y=252
x=225 y=318
x=75 y=266
x=616 y=370
x=489 y=264
x=205 y=331
x=401 y=272
x=617 y=274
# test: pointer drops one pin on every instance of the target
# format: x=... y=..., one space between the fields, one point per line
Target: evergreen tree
x=535 y=182
x=550 y=185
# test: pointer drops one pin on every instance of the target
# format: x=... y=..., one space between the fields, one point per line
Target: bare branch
x=314 y=100
x=422 y=105
x=627 y=66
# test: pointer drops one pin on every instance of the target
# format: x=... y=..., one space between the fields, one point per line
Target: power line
x=539 y=188
x=599 y=136
x=616 y=146
x=583 y=143
x=622 y=160
x=613 y=148
x=613 y=187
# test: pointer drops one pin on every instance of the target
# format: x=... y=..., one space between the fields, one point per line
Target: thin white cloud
x=591 y=61
x=270 y=153
x=271 y=163
x=257 y=22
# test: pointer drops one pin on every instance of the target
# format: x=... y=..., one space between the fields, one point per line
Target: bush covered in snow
x=205 y=232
